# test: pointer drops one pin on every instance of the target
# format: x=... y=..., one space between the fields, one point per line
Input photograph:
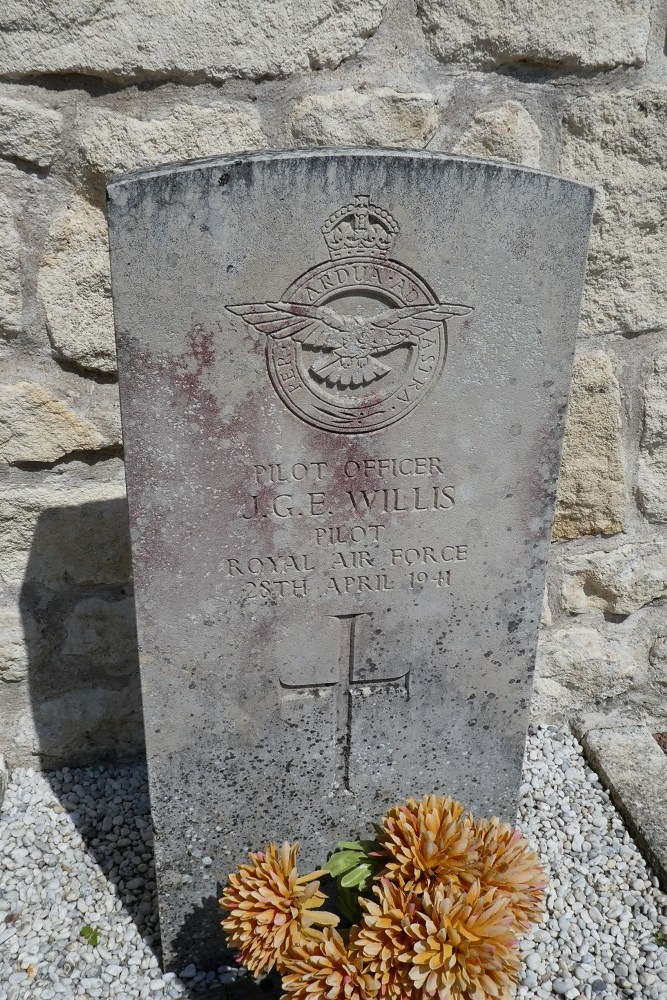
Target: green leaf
x=362 y=846
x=91 y=935
x=347 y=903
x=342 y=861
x=357 y=876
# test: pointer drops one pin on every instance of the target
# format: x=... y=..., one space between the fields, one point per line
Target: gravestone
x=344 y=376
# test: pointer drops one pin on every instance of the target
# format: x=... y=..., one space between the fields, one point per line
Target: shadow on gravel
x=201 y=940
x=244 y=989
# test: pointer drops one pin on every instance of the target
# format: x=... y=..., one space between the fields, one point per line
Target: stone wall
x=88 y=90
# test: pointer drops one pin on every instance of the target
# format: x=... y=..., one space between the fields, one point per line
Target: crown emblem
x=360 y=229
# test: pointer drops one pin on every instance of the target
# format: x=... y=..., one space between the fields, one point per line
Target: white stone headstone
x=344 y=376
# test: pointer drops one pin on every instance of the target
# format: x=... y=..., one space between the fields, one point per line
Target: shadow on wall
x=78 y=616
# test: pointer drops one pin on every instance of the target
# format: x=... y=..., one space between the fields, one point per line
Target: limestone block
x=658 y=660
x=619 y=141
x=652 y=468
x=591 y=488
x=28 y=131
x=382 y=117
x=74 y=285
x=65 y=531
x=121 y=41
x=19 y=641
x=618 y=582
x=104 y=632
x=634 y=769
x=10 y=274
x=506 y=132
x=112 y=143
x=578 y=667
x=595 y=34
x=36 y=426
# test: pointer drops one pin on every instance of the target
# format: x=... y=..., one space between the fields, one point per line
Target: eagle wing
x=396 y=326
x=316 y=325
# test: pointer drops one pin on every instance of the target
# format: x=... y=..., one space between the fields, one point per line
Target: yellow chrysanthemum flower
x=507 y=863
x=429 y=843
x=463 y=948
x=327 y=969
x=272 y=909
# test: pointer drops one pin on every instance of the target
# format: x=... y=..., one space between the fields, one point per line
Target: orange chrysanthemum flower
x=507 y=863
x=463 y=948
x=384 y=939
x=272 y=909
x=327 y=969
x=428 y=844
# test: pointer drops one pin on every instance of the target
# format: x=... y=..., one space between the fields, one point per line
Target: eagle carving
x=354 y=342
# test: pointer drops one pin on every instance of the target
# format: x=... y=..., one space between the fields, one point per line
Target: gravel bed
x=75 y=851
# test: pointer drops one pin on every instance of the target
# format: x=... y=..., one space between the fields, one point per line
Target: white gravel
x=605 y=936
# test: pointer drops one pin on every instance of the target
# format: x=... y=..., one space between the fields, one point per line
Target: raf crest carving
x=341 y=370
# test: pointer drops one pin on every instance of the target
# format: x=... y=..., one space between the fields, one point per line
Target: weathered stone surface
x=579 y=667
x=29 y=131
x=75 y=287
x=652 y=467
x=122 y=41
x=618 y=582
x=113 y=143
x=658 y=660
x=591 y=489
x=596 y=35
x=18 y=633
x=10 y=272
x=619 y=141
x=506 y=132
x=382 y=117
x=36 y=426
x=295 y=556
x=86 y=520
x=634 y=769
x=104 y=632
x=654 y=433
x=652 y=484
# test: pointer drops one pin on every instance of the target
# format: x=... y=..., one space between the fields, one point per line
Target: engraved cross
x=348 y=687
